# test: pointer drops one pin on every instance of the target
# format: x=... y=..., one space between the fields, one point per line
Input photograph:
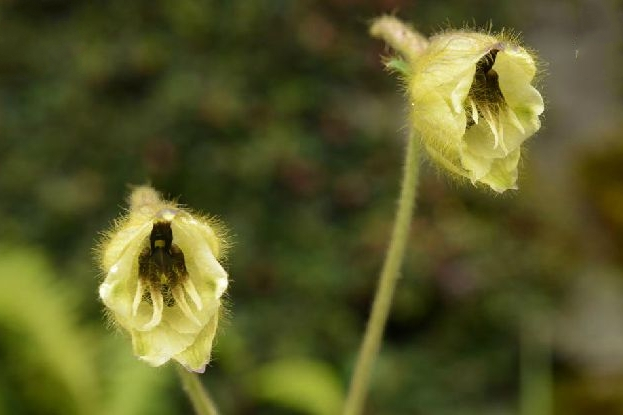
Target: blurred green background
x=278 y=117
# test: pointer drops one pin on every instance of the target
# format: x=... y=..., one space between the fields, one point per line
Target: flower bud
x=163 y=281
x=472 y=102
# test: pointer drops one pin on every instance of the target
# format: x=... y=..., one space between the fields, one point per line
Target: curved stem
x=535 y=360
x=400 y=36
x=370 y=346
x=199 y=396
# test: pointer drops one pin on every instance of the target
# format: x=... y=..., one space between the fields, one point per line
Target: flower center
x=161 y=264
x=485 y=100
x=163 y=278
x=485 y=97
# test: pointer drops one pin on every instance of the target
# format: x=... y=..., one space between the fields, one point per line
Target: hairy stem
x=370 y=346
x=399 y=36
x=199 y=396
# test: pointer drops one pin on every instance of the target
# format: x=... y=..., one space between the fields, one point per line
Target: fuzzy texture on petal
x=194 y=357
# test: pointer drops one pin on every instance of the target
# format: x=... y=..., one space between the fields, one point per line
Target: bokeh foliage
x=277 y=116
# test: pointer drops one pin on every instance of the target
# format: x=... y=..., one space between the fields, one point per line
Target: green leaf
x=309 y=386
x=398 y=65
x=132 y=386
x=40 y=313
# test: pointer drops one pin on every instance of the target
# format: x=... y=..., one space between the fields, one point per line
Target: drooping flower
x=472 y=100
x=163 y=281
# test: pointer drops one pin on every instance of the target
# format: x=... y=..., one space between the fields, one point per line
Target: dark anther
x=161 y=231
x=161 y=264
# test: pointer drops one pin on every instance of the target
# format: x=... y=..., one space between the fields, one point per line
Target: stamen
x=192 y=292
x=138 y=297
x=180 y=299
x=497 y=128
x=501 y=133
x=474 y=111
x=514 y=120
x=491 y=121
x=158 y=305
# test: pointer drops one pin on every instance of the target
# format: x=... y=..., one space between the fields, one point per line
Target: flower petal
x=122 y=241
x=159 y=345
x=119 y=287
x=204 y=270
x=192 y=293
x=460 y=91
x=503 y=173
x=516 y=70
x=196 y=356
x=450 y=163
x=180 y=301
x=435 y=121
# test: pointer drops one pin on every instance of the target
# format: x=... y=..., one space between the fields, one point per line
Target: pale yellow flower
x=473 y=104
x=472 y=98
x=163 y=281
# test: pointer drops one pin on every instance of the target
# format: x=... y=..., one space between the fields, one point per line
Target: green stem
x=199 y=396
x=370 y=346
x=536 y=379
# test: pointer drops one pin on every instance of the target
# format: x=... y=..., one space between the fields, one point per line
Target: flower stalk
x=390 y=272
x=399 y=36
x=200 y=398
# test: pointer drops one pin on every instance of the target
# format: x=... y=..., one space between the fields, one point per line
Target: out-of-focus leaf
x=133 y=387
x=42 y=312
x=308 y=386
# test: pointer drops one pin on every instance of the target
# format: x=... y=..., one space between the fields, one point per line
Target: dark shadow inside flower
x=162 y=275
x=485 y=97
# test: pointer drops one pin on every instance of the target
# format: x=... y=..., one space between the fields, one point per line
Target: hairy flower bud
x=472 y=100
x=163 y=280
